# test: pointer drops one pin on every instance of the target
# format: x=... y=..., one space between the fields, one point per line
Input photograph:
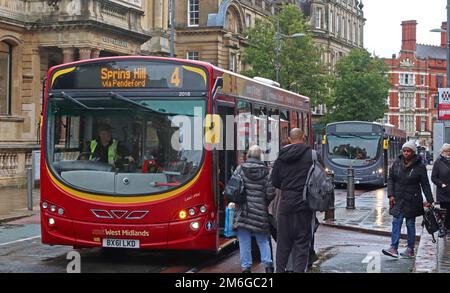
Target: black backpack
x=234 y=190
x=429 y=222
x=319 y=189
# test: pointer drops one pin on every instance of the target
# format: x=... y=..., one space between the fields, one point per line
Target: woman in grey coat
x=441 y=177
x=251 y=218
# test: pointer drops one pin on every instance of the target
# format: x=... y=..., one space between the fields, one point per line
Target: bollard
x=30 y=189
x=329 y=214
x=351 y=188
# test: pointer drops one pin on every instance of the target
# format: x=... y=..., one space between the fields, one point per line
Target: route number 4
x=176 y=80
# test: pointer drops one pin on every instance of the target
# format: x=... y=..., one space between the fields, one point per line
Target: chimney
x=444 y=35
x=409 y=35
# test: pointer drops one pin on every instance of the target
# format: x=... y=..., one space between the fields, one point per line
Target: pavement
x=370 y=216
x=13 y=203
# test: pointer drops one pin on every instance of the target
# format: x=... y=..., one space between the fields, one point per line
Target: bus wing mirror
x=213 y=124
x=217 y=85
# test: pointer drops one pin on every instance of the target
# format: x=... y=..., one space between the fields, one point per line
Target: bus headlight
x=203 y=209
x=195 y=226
x=44 y=205
x=380 y=171
x=51 y=221
x=192 y=212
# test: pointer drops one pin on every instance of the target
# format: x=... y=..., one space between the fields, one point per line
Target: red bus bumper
x=171 y=236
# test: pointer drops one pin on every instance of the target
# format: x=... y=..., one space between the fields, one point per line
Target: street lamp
x=439 y=30
x=172 y=28
x=278 y=37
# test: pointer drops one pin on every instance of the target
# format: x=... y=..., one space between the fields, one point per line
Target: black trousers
x=294 y=234
x=446 y=205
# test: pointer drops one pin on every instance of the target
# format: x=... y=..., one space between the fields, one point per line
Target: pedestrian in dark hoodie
x=294 y=217
x=407 y=179
x=252 y=217
x=441 y=177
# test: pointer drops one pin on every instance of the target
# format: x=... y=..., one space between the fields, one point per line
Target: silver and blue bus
x=369 y=148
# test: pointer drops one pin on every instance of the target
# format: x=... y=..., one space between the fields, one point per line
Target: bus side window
x=259 y=125
x=294 y=119
x=284 y=127
x=306 y=123
x=244 y=111
x=273 y=130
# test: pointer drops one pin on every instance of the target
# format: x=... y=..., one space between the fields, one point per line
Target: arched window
x=5 y=78
x=232 y=22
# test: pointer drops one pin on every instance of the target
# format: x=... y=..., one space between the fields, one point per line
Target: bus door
x=227 y=155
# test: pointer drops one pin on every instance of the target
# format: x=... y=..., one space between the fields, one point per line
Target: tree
x=301 y=69
x=361 y=88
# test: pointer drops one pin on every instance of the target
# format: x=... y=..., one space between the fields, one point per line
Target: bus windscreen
x=130 y=74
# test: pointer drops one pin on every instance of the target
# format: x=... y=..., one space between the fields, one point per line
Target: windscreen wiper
x=349 y=135
x=71 y=99
x=130 y=101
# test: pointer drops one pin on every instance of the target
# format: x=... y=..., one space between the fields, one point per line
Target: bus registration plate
x=121 y=243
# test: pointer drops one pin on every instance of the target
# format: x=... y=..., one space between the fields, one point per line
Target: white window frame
x=407 y=79
x=233 y=62
x=193 y=22
x=423 y=101
x=248 y=20
x=423 y=124
x=331 y=22
x=193 y=55
x=318 y=17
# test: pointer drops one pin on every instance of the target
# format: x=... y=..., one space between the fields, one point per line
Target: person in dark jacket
x=294 y=217
x=407 y=179
x=441 y=177
x=252 y=218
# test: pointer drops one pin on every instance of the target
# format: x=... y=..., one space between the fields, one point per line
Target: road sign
x=444 y=104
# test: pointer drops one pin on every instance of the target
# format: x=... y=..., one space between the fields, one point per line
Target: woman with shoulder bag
x=407 y=179
x=252 y=217
x=441 y=177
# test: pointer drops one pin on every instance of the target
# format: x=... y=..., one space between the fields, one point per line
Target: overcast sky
x=383 y=30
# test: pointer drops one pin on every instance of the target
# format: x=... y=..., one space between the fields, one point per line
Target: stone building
x=38 y=34
x=212 y=31
x=337 y=27
x=416 y=74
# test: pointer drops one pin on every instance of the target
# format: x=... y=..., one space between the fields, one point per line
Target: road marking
x=20 y=240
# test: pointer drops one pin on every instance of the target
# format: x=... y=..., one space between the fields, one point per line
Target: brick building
x=416 y=74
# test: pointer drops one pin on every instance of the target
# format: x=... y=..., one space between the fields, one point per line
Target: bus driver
x=106 y=149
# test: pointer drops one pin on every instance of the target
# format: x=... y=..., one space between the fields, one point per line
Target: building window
x=331 y=22
x=248 y=20
x=318 y=18
x=407 y=101
x=439 y=81
x=422 y=79
x=193 y=12
x=345 y=28
x=422 y=101
x=192 y=55
x=423 y=124
x=407 y=79
x=407 y=123
x=233 y=62
x=5 y=78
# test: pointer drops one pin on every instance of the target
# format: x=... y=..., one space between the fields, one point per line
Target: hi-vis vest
x=112 y=151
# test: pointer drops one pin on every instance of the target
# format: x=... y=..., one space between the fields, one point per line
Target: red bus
x=146 y=193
